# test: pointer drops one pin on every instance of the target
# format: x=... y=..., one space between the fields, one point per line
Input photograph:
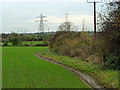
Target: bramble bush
x=86 y=47
x=79 y=45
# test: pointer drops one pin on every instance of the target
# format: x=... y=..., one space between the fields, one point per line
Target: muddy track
x=85 y=78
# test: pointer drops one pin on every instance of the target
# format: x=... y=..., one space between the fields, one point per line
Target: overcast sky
x=18 y=15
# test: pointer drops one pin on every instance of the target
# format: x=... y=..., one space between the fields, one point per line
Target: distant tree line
x=17 y=39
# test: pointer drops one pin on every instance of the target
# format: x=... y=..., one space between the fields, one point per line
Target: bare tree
x=66 y=26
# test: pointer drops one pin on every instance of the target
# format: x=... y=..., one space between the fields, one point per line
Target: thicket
x=79 y=45
x=104 y=49
x=110 y=32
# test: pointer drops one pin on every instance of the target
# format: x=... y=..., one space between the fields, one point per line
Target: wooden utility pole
x=95 y=18
x=94 y=14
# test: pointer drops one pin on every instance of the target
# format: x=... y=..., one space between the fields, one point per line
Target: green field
x=28 y=43
x=32 y=42
x=106 y=78
x=22 y=69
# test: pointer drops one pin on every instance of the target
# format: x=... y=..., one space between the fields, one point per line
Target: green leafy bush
x=15 y=41
x=113 y=60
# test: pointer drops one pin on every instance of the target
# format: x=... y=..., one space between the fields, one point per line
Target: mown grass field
x=106 y=78
x=22 y=69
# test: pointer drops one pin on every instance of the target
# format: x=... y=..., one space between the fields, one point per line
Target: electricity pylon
x=41 y=23
x=83 y=28
x=66 y=22
x=66 y=17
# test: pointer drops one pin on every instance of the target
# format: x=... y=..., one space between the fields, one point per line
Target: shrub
x=113 y=60
x=26 y=45
x=15 y=41
x=41 y=45
x=79 y=45
x=5 y=43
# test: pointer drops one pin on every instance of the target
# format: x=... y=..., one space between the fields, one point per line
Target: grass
x=106 y=78
x=22 y=69
x=28 y=43
x=33 y=42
